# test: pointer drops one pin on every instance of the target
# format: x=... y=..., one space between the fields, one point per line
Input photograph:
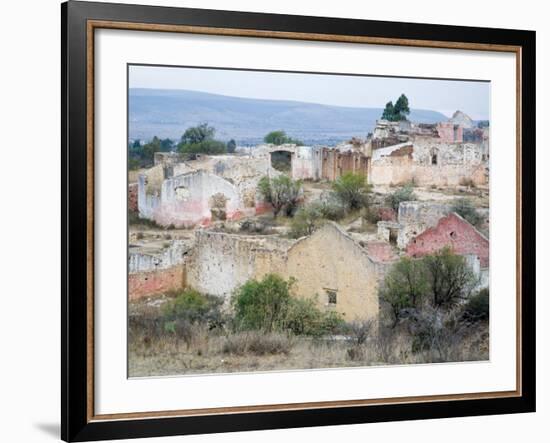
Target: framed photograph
x=276 y=221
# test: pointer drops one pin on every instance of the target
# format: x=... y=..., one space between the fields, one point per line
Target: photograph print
x=292 y=220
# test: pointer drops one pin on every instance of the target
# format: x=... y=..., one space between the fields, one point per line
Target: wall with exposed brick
x=144 y=284
x=133 y=197
x=455 y=232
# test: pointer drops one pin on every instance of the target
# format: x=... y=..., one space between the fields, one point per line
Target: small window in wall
x=331 y=297
x=452 y=234
x=434 y=159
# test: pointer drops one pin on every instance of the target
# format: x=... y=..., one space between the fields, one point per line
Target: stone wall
x=221 y=262
x=186 y=200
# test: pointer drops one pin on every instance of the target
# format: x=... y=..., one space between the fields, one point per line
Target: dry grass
x=210 y=352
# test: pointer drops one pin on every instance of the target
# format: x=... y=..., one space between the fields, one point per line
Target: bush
x=191 y=307
x=267 y=306
x=281 y=192
x=262 y=305
x=257 y=343
x=406 y=193
x=477 y=306
x=304 y=318
x=352 y=190
x=467 y=211
x=306 y=220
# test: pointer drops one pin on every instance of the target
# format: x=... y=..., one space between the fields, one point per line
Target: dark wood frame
x=79 y=20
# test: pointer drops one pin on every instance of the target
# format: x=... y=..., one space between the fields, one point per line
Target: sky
x=445 y=96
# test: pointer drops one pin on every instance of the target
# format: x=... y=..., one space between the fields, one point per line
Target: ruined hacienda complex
x=211 y=229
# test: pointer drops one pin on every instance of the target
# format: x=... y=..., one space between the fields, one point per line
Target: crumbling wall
x=145 y=284
x=449 y=132
x=133 y=197
x=329 y=261
x=455 y=232
x=221 y=262
x=335 y=163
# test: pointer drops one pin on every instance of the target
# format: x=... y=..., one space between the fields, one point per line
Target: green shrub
x=305 y=221
x=191 y=307
x=406 y=193
x=305 y=318
x=352 y=190
x=262 y=305
x=267 y=306
x=467 y=211
x=477 y=306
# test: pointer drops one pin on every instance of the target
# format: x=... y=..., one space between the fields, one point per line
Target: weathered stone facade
x=329 y=262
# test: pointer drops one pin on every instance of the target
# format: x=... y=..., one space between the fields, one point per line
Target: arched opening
x=281 y=161
x=434 y=159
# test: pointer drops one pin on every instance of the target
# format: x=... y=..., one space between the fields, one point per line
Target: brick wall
x=144 y=284
x=455 y=232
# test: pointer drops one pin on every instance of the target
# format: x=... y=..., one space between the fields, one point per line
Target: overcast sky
x=445 y=96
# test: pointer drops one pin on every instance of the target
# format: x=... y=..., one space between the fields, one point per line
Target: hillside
x=167 y=113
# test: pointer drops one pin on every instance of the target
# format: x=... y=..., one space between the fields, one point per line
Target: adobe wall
x=331 y=260
x=402 y=170
x=145 y=284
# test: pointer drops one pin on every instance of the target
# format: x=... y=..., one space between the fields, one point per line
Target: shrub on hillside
x=477 y=306
x=352 y=190
x=467 y=211
x=403 y=194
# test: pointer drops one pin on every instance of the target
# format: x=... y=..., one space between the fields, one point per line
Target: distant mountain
x=167 y=113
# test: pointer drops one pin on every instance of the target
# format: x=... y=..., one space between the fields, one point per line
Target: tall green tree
x=405 y=286
x=231 y=146
x=200 y=140
x=450 y=278
x=401 y=108
x=281 y=138
x=198 y=134
x=389 y=112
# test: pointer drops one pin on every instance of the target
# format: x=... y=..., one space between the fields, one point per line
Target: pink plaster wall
x=455 y=232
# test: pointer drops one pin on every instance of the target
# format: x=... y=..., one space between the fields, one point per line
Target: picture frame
x=80 y=22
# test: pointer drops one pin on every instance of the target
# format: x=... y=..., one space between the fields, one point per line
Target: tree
x=200 y=140
x=352 y=190
x=389 y=112
x=198 y=134
x=405 y=286
x=450 y=278
x=397 y=112
x=204 y=147
x=231 y=146
x=404 y=194
x=467 y=211
x=401 y=108
x=262 y=305
x=281 y=192
x=280 y=138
